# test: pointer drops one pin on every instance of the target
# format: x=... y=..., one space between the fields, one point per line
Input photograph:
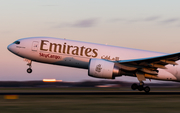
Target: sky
x=150 y=25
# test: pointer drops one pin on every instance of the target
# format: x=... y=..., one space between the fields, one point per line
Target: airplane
x=101 y=61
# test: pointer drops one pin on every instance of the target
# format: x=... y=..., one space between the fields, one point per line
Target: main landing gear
x=29 y=70
x=140 y=87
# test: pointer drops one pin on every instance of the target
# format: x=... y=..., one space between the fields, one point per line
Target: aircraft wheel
x=147 y=89
x=140 y=87
x=134 y=86
x=29 y=70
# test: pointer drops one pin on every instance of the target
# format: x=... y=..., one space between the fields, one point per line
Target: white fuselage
x=77 y=54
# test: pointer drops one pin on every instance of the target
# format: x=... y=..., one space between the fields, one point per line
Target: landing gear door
x=35 y=46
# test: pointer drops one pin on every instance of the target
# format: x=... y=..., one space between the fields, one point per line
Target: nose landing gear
x=29 y=70
x=140 y=87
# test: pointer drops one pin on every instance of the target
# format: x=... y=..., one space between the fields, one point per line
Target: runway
x=92 y=93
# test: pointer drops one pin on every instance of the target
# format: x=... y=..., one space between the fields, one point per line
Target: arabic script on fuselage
x=106 y=57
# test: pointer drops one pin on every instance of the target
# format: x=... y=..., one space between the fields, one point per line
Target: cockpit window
x=17 y=42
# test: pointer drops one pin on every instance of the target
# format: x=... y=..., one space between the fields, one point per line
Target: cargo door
x=35 y=46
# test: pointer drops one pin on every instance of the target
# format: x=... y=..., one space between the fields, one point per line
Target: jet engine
x=100 y=68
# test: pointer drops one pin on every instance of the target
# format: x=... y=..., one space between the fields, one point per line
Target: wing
x=148 y=66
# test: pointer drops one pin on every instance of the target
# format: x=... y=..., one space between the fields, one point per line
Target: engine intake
x=100 y=68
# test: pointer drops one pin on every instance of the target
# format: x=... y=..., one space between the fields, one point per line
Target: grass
x=88 y=103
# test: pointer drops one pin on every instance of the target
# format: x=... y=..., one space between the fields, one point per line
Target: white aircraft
x=101 y=61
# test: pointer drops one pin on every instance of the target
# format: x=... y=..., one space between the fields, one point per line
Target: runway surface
x=91 y=93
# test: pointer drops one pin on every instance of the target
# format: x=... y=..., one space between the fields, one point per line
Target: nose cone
x=14 y=47
x=10 y=47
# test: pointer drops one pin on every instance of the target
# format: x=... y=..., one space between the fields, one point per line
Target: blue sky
x=150 y=25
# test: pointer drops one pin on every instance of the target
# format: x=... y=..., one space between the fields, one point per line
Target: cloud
x=80 y=24
x=171 y=20
x=117 y=20
x=85 y=23
x=156 y=19
x=134 y=20
x=152 y=18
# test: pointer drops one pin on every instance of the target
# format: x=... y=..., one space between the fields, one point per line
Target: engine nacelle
x=100 y=68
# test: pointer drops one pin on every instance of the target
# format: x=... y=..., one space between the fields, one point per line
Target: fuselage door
x=35 y=46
